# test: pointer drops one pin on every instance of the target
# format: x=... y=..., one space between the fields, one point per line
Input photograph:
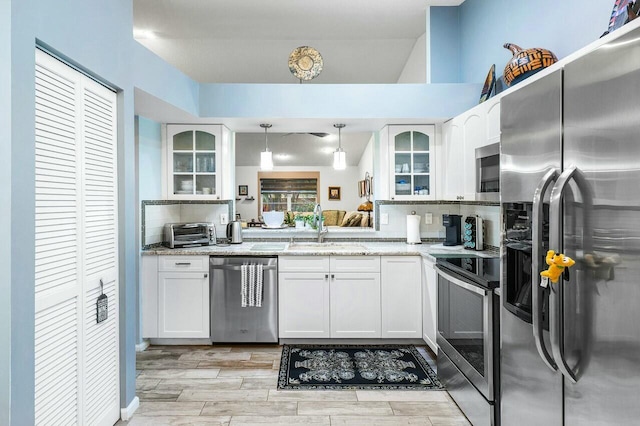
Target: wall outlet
x=428 y=218
x=384 y=219
x=224 y=219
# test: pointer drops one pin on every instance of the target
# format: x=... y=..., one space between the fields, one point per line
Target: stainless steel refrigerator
x=570 y=181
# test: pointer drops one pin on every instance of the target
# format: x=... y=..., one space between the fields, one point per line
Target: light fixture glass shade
x=266 y=160
x=339 y=159
x=339 y=156
x=266 y=156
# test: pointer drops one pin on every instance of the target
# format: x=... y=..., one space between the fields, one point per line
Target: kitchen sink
x=326 y=247
x=268 y=247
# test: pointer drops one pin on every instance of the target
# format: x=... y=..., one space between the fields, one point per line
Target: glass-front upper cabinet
x=412 y=158
x=193 y=161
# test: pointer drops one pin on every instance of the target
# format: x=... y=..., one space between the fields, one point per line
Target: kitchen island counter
x=331 y=248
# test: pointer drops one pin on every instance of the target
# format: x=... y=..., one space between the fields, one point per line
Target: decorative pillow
x=331 y=217
x=352 y=219
x=356 y=220
x=348 y=218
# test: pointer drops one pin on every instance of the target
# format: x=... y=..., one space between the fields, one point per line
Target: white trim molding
x=127 y=412
x=142 y=346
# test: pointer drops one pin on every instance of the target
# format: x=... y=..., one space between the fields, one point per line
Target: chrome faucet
x=317 y=217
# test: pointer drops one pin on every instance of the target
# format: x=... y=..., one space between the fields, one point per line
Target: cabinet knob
x=326 y=276
x=206 y=275
x=333 y=276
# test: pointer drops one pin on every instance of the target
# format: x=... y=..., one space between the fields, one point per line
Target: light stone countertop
x=355 y=248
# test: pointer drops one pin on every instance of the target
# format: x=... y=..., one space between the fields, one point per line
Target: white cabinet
x=462 y=135
x=183 y=304
x=196 y=160
x=429 y=304
x=355 y=296
x=492 y=108
x=475 y=128
x=401 y=296
x=149 y=296
x=175 y=296
x=355 y=305
x=338 y=297
x=303 y=304
x=411 y=161
x=451 y=180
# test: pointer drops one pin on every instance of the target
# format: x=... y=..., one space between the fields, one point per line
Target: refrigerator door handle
x=537 y=291
x=556 y=297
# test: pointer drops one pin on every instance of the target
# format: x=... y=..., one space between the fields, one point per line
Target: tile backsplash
x=155 y=213
x=398 y=211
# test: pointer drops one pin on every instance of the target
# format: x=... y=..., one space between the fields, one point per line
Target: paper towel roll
x=413 y=229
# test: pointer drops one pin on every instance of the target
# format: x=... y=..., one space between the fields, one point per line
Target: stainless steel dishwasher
x=230 y=322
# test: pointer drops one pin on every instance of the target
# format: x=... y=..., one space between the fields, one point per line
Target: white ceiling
x=249 y=41
x=297 y=149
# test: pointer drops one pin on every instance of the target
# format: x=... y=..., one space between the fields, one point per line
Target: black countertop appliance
x=453 y=229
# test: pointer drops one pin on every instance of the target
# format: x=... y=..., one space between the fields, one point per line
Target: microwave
x=488 y=172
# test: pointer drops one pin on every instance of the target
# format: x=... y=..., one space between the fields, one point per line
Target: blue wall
x=97 y=36
x=445 y=44
x=5 y=212
x=337 y=100
x=149 y=159
x=560 y=26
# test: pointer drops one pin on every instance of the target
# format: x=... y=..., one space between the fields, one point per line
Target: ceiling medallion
x=305 y=63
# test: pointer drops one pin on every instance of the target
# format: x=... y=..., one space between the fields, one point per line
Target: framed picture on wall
x=243 y=190
x=334 y=193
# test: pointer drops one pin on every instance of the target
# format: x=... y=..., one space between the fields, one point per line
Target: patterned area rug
x=355 y=367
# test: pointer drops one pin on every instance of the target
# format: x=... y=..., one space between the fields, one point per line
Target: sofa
x=342 y=218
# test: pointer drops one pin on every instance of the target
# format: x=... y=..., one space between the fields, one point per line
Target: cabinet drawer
x=355 y=263
x=303 y=264
x=183 y=263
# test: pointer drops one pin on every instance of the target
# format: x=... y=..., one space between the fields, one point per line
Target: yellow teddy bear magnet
x=558 y=264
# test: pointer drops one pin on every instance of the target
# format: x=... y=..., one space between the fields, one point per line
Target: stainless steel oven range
x=468 y=334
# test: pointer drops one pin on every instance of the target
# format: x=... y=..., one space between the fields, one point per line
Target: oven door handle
x=457 y=281
x=536 y=290
x=239 y=267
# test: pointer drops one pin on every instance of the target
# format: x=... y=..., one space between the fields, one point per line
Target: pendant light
x=339 y=156
x=266 y=156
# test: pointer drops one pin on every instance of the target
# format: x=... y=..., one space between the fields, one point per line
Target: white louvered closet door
x=76 y=371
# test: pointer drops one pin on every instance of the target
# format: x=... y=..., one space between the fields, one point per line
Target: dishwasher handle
x=239 y=267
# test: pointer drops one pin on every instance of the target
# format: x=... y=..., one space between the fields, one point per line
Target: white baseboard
x=185 y=341
x=127 y=413
x=141 y=347
x=432 y=345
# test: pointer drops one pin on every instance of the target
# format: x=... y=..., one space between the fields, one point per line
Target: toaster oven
x=177 y=235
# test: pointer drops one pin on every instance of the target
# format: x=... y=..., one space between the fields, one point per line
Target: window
x=288 y=191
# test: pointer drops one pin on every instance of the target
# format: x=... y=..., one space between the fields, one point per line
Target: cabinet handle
x=183 y=263
x=206 y=275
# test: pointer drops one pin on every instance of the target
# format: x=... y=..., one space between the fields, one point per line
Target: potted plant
x=299 y=221
x=289 y=219
x=311 y=221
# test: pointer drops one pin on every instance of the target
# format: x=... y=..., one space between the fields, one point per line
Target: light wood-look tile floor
x=236 y=386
